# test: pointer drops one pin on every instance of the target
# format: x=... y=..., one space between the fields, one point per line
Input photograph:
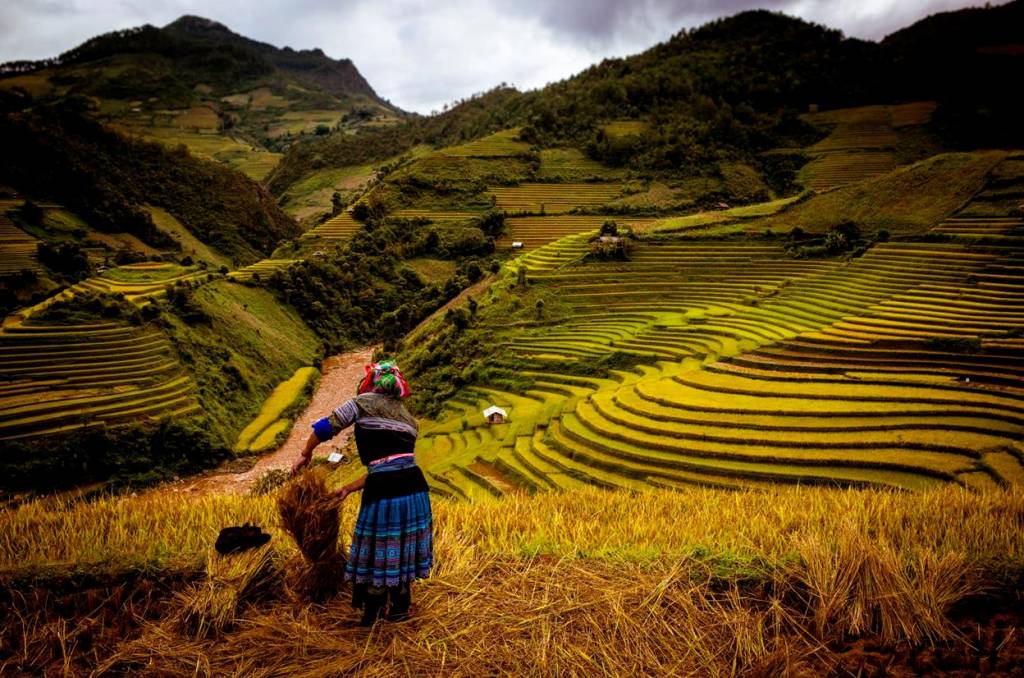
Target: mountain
x=195 y=82
x=312 y=67
x=729 y=93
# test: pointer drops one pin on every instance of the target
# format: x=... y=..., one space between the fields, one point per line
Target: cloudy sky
x=423 y=53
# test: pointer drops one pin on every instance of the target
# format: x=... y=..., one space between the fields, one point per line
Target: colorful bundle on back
x=384 y=377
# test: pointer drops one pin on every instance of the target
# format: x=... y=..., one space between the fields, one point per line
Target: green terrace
x=501 y=144
x=553 y=198
x=17 y=249
x=570 y=164
x=860 y=143
x=749 y=367
x=834 y=169
x=339 y=227
x=261 y=269
x=534 y=232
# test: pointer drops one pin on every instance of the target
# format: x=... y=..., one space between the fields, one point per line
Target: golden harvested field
x=697 y=581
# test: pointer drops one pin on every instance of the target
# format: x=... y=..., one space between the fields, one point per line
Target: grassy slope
x=190 y=245
x=909 y=200
x=252 y=344
x=582 y=582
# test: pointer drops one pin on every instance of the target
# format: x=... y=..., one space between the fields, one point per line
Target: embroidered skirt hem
x=392 y=542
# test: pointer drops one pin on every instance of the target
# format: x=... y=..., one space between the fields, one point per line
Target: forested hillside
x=107 y=178
x=726 y=93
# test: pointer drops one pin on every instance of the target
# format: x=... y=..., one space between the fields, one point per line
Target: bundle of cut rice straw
x=232 y=581
x=310 y=514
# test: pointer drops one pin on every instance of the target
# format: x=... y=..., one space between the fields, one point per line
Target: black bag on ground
x=236 y=539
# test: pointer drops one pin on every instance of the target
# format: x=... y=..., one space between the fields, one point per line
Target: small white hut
x=495 y=415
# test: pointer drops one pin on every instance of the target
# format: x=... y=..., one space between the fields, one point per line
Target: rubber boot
x=400 y=598
x=373 y=606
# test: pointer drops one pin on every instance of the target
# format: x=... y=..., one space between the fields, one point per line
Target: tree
x=31 y=213
x=338 y=203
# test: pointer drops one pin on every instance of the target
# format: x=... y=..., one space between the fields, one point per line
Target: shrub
x=954 y=344
x=31 y=213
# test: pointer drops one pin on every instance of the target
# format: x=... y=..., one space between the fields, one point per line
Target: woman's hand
x=341 y=493
x=307 y=454
x=299 y=465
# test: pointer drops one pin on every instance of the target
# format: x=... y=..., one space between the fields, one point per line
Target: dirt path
x=341 y=373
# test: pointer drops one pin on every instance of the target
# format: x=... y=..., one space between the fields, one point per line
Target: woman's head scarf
x=384 y=377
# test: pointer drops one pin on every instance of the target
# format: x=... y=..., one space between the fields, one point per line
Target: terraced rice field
x=570 y=164
x=860 y=144
x=338 y=227
x=17 y=249
x=435 y=215
x=535 y=232
x=262 y=268
x=141 y=281
x=501 y=144
x=57 y=379
x=832 y=170
x=256 y=164
x=755 y=368
x=1008 y=229
x=914 y=113
x=553 y=198
x=136 y=282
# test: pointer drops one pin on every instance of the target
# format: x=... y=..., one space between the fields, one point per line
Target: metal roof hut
x=495 y=415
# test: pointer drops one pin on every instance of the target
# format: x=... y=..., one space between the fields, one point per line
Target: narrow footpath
x=341 y=374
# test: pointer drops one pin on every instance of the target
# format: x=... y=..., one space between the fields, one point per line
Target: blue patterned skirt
x=393 y=542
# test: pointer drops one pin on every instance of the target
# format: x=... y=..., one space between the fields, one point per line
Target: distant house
x=517 y=245
x=495 y=415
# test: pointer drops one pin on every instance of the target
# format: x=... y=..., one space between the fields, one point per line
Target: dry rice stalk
x=310 y=515
x=210 y=607
x=860 y=585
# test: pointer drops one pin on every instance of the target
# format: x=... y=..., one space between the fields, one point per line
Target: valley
x=751 y=304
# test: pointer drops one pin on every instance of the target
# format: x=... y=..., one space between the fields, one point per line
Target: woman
x=393 y=540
